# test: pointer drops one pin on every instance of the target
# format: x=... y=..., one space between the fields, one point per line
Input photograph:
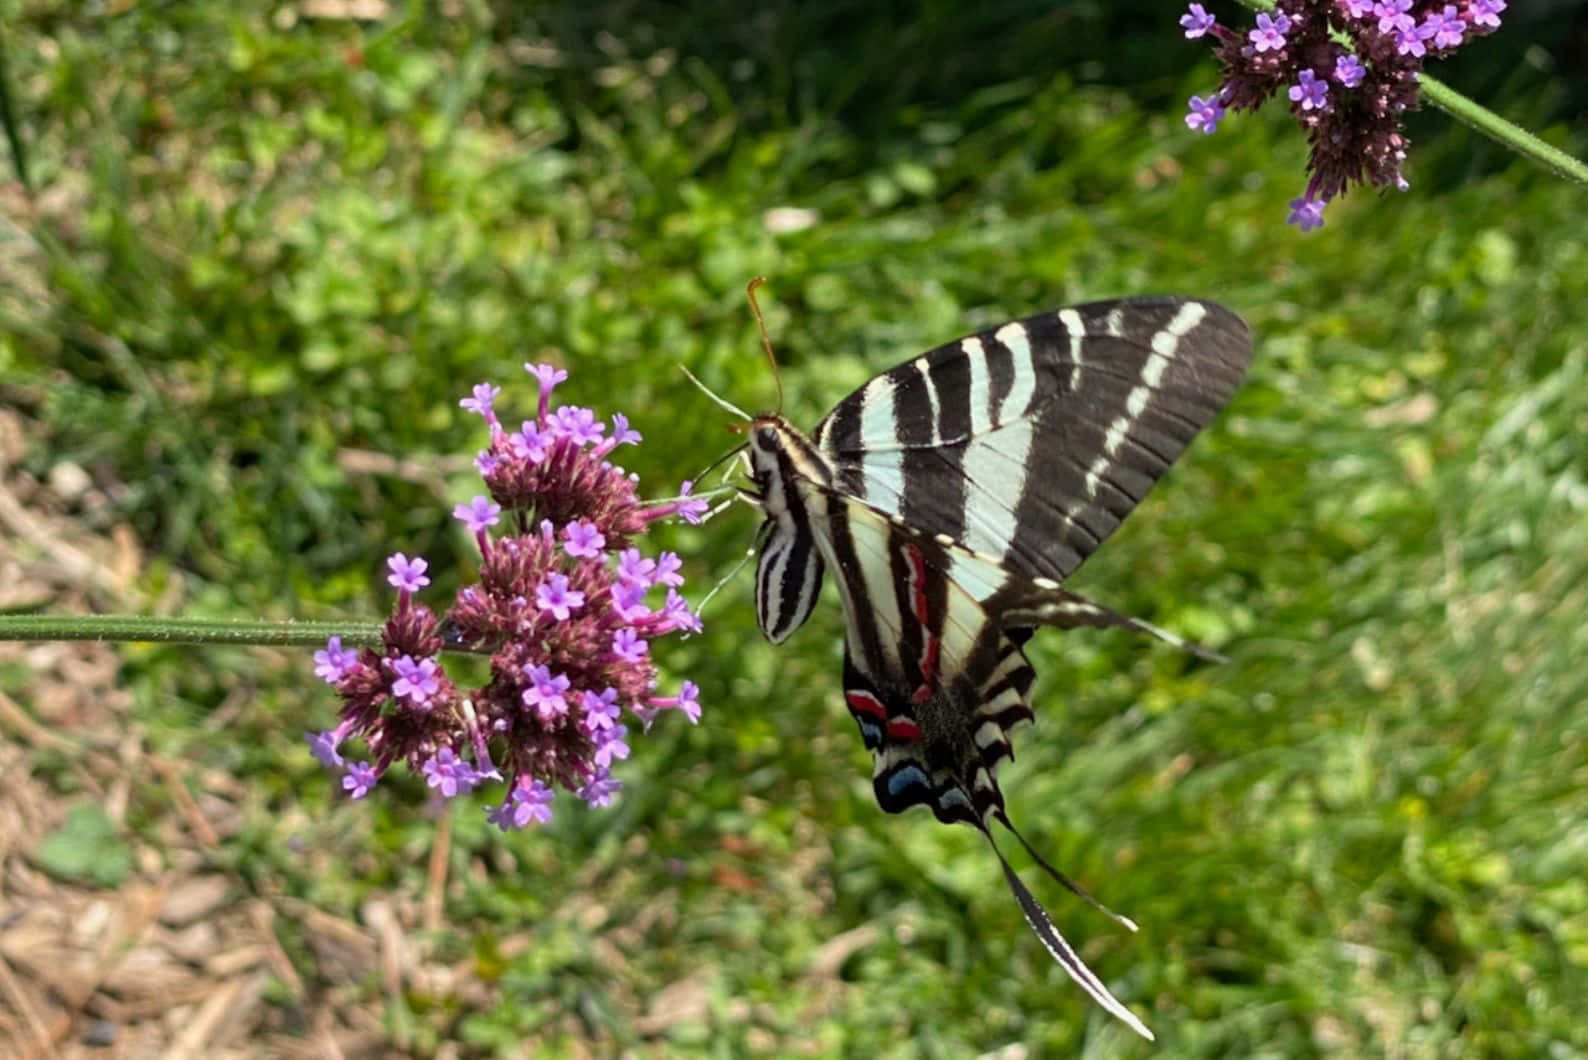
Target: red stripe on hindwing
x=917 y=562
x=904 y=730
x=862 y=702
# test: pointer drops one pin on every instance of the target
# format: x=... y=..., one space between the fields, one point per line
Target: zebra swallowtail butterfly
x=950 y=497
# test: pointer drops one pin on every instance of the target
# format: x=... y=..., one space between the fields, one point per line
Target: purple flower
x=667 y=567
x=690 y=509
x=628 y=600
x=578 y=425
x=1394 y=15
x=1485 y=12
x=689 y=701
x=1349 y=71
x=358 y=779
x=622 y=433
x=478 y=515
x=1196 y=22
x=558 y=609
x=481 y=401
x=635 y=568
x=407 y=575
x=1358 y=8
x=1306 y=213
x=545 y=693
x=1409 y=40
x=531 y=444
x=1205 y=114
x=554 y=597
x=601 y=711
x=600 y=789
x=583 y=539
x=322 y=745
x=1270 y=32
x=416 y=681
x=629 y=646
x=548 y=376
x=449 y=774
x=678 y=615
x=528 y=802
x=1446 y=26
x=1311 y=93
x=333 y=663
x=609 y=744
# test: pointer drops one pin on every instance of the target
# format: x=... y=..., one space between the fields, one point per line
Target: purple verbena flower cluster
x=1348 y=96
x=561 y=607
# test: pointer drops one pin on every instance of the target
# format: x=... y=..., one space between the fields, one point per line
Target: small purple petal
x=1349 y=71
x=449 y=774
x=635 y=568
x=479 y=514
x=359 y=779
x=622 y=433
x=545 y=694
x=629 y=646
x=1311 y=93
x=690 y=508
x=333 y=663
x=407 y=575
x=1270 y=32
x=1196 y=22
x=481 y=400
x=582 y=539
x=601 y=712
x=678 y=614
x=322 y=745
x=528 y=802
x=1394 y=15
x=416 y=680
x=1306 y=213
x=1485 y=12
x=1205 y=114
x=667 y=567
x=610 y=744
x=599 y=790
x=554 y=597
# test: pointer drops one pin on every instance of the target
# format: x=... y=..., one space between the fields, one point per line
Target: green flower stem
x=354 y=633
x=1498 y=129
x=1482 y=119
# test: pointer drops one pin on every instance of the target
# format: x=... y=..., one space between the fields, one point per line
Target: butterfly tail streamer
x=1063 y=609
x=1074 y=888
x=1061 y=950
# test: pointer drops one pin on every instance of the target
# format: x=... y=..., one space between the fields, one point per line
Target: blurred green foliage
x=260 y=240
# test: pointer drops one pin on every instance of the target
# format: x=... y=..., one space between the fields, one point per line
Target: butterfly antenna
x=700 y=608
x=766 y=341
x=721 y=402
x=1060 y=949
x=1074 y=888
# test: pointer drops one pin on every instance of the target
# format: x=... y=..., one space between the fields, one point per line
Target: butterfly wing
x=1030 y=442
x=937 y=715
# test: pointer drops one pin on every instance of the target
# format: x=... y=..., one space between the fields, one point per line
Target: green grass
x=257 y=243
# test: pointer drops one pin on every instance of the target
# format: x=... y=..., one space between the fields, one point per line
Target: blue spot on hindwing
x=870 y=733
x=906 y=777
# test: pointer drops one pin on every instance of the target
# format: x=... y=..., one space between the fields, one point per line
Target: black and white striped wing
x=1030 y=442
x=936 y=685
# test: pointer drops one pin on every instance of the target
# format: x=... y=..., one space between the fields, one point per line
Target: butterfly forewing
x=949 y=497
x=1030 y=442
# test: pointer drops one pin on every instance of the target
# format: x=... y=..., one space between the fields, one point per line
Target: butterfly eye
x=766 y=437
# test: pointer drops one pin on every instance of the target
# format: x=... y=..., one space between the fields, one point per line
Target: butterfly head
x=766 y=462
